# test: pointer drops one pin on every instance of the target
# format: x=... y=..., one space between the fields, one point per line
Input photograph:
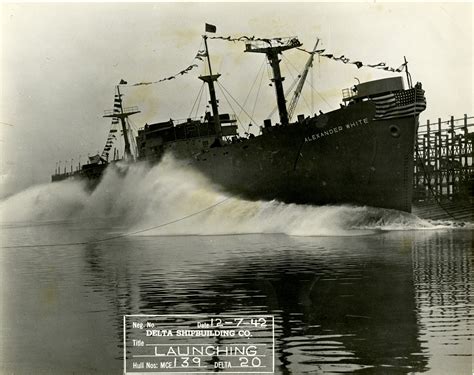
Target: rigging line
x=301 y=94
x=133 y=125
x=269 y=75
x=311 y=84
x=250 y=117
x=270 y=79
x=206 y=93
x=287 y=92
x=272 y=112
x=295 y=80
x=253 y=84
x=230 y=105
x=291 y=64
x=258 y=92
x=123 y=234
x=197 y=97
x=307 y=105
x=311 y=72
x=199 y=101
x=316 y=91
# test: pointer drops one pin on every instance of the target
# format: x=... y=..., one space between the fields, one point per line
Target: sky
x=60 y=63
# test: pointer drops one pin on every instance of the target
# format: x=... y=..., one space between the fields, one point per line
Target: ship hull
x=343 y=157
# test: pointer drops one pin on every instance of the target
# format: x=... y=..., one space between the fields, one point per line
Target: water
x=352 y=289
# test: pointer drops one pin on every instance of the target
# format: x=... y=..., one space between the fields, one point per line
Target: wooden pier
x=444 y=171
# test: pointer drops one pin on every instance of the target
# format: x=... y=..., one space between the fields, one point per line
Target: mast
x=122 y=114
x=408 y=74
x=272 y=48
x=209 y=79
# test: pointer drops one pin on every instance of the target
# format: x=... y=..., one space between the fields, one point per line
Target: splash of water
x=148 y=197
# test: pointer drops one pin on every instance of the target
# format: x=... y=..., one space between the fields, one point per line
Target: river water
x=351 y=289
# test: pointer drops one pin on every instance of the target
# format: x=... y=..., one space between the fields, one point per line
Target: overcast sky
x=60 y=62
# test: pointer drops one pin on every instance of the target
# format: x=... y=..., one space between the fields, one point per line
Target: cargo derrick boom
x=272 y=48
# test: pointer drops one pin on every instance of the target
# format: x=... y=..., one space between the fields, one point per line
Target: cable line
x=198 y=97
x=253 y=84
x=224 y=89
x=123 y=234
x=258 y=92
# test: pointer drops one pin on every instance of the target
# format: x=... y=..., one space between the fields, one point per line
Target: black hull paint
x=355 y=160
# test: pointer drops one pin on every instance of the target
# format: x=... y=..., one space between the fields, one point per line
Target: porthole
x=394 y=131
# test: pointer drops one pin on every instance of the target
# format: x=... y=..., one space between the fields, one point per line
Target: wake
x=171 y=199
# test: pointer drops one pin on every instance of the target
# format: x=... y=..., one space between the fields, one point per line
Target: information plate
x=198 y=344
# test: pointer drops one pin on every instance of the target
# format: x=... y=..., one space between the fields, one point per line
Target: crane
x=299 y=87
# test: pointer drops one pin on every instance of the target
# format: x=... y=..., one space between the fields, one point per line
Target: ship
x=359 y=154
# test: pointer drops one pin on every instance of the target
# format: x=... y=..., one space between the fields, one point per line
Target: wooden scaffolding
x=444 y=161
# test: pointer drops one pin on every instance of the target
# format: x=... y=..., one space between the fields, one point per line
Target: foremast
x=209 y=79
x=122 y=114
x=272 y=48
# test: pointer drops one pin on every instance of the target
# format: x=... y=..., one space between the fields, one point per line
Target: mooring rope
x=123 y=234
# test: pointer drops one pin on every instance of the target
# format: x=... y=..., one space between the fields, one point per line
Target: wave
x=172 y=199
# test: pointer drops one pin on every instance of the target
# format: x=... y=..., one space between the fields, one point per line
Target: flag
x=399 y=104
x=377 y=65
x=210 y=28
x=200 y=55
x=401 y=67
